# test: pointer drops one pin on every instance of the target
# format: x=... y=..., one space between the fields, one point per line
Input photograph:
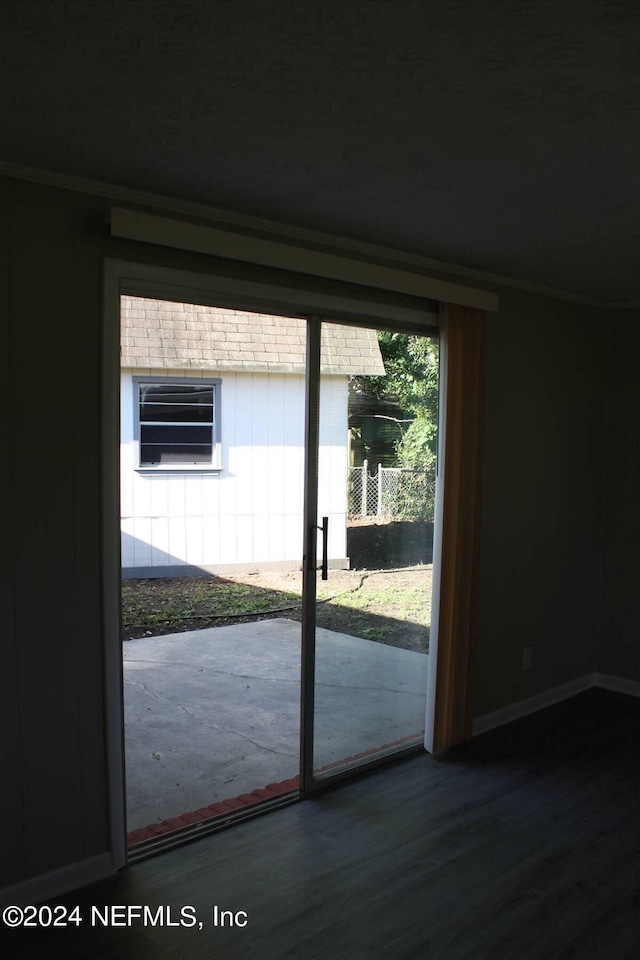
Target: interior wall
x=619 y=650
x=541 y=520
x=542 y=495
x=54 y=801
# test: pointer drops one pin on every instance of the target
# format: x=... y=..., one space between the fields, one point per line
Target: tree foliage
x=411 y=365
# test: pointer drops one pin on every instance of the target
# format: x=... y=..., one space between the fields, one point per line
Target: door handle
x=325 y=545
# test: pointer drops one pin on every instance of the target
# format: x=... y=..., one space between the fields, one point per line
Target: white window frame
x=216 y=446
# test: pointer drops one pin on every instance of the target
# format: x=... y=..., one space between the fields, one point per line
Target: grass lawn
x=390 y=606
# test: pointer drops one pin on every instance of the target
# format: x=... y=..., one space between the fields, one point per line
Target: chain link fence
x=392 y=493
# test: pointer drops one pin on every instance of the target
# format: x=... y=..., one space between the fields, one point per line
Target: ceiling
x=496 y=135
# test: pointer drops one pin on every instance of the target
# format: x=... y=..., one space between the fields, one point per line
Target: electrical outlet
x=526 y=657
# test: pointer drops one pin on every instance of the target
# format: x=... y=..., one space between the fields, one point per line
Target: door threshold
x=167 y=840
x=328 y=777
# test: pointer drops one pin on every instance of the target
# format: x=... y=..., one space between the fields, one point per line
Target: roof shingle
x=184 y=336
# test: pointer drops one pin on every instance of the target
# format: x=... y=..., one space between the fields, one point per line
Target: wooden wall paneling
x=159 y=490
x=141 y=485
x=618 y=653
x=240 y=455
x=231 y=431
x=293 y=424
x=143 y=551
x=274 y=479
x=160 y=550
x=194 y=517
x=46 y=626
x=177 y=540
x=259 y=469
x=194 y=503
x=210 y=506
x=211 y=535
x=275 y=475
x=244 y=536
x=177 y=495
x=333 y=462
x=12 y=848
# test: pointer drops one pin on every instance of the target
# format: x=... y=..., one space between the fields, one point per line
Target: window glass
x=177 y=423
x=179 y=434
x=176 y=403
x=151 y=454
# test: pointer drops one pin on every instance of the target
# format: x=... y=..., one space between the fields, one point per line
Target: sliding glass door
x=369 y=545
x=281 y=433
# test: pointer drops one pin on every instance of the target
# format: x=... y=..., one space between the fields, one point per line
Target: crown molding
x=357 y=249
x=181 y=234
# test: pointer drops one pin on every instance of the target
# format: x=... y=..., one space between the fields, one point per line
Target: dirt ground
x=375 y=544
x=391 y=606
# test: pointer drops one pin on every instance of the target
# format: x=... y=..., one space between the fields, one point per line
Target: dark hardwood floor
x=522 y=845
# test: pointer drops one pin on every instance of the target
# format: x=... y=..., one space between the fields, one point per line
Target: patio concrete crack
x=339 y=686
x=251 y=676
x=225 y=673
x=204 y=722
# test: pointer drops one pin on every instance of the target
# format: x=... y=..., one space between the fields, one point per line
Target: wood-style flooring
x=522 y=845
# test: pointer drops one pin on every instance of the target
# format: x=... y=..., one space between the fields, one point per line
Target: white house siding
x=333 y=462
x=249 y=514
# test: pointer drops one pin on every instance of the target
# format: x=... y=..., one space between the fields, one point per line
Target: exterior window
x=178 y=423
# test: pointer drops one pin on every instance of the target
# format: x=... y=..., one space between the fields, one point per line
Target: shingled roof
x=183 y=336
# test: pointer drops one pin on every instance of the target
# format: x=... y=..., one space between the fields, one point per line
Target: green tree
x=411 y=380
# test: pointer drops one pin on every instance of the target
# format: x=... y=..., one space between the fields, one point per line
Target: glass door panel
x=212 y=494
x=374 y=544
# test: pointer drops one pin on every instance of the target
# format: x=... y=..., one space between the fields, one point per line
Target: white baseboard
x=57 y=882
x=617 y=684
x=489 y=721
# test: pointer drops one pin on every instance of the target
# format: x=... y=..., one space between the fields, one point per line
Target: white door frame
x=138 y=279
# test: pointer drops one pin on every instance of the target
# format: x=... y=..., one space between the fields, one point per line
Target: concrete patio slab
x=212 y=714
